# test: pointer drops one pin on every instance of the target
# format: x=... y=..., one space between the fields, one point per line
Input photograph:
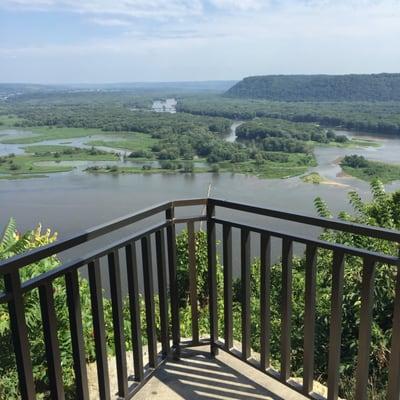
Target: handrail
x=79 y=262
x=329 y=223
x=153 y=240
x=73 y=240
x=358 y=252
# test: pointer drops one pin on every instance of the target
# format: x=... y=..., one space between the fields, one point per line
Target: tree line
x=374 y=87
x=376 y=117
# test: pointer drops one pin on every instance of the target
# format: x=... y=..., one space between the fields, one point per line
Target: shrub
x=14 y=167
x=11 y=244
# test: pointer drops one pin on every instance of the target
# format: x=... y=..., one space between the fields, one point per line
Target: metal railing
x=159 y=241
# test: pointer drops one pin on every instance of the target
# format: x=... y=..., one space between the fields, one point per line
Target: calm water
x=74 y=201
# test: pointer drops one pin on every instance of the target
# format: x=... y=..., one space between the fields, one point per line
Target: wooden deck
x=196 y=376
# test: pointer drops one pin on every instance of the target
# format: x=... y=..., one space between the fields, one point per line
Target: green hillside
x=376 y=87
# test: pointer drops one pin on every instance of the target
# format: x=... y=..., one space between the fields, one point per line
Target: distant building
x=169 y=106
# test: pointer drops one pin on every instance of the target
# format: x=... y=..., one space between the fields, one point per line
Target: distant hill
x=375 y=87
x=184 y=86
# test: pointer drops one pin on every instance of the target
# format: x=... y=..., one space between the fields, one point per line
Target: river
x=87 y=200
x=72 y=201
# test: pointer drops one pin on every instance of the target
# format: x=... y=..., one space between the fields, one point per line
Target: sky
x=98 y=41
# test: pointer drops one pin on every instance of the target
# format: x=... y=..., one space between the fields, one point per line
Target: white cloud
x=110 y=22
x=129 y=8
x=184 y=9
x=239 y=5
x=210 y=39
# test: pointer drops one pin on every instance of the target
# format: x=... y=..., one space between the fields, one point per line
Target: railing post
x=149 y=301
x=134 y=309
x=162 y=291
x=365 y=328
x=118 y=322
x=78 y=345
x=245 y=292
x=286 y=309
x=100 y=341
x=309 y=319
x=393 y=391
x=193 y=281
x=19 y=333
x=171 y=242
x=212 y=278
x=335 y=330
x=227 y=257
x=52 y=347
x=265 y=301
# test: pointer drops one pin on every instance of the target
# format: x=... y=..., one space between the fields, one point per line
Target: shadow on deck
x=197 y=376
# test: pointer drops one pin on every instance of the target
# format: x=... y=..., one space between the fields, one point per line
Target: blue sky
x=94 y=41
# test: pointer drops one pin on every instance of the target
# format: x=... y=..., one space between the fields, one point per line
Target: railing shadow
x=198 y=376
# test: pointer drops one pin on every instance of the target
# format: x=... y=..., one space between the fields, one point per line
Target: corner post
x=212 y=277
x=171 y=241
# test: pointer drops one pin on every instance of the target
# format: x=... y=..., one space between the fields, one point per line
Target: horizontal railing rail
x=74 y=240
x=328 y=223
x=355 y=251
x=150 y=252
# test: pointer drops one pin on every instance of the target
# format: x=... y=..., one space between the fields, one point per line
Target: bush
x=11 y=244
x=341 y=139
x=355 y=161
x=215 y=168
x=168 y=165
x=112 y=168
x=188 y=168
x=14 y=167
x=140 y=154
x=383 y=210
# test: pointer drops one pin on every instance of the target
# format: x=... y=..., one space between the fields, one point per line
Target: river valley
x=87 y=200
x=73 y=201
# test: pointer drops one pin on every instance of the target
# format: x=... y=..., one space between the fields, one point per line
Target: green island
x=273 y=168
x=313 y=177
x=29 y=165
x=367 y=170
x=132 y=141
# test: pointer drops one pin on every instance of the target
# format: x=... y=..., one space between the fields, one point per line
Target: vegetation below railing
x=383 y=210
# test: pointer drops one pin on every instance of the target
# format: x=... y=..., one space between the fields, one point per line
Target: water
x=232 y=134
x=87 y=200
x=72 y=142
x=74 y=201
x=168 y=105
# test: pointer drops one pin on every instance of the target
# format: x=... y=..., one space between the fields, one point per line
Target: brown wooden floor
x=197 y=376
